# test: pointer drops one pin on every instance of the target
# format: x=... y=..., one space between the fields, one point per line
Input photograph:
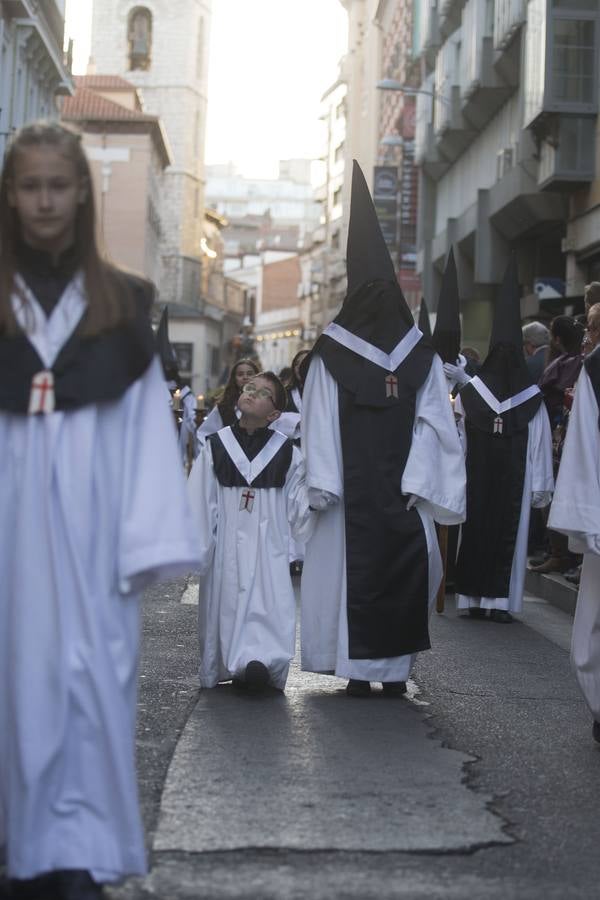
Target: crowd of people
x=385 y=439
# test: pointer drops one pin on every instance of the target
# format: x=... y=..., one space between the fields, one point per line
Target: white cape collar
x=502 y=406
x=388 y=361
x=49 y=334
x=251 y=469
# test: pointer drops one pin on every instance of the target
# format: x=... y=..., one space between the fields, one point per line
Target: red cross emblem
x=247 y=499
x=41 y=397
x=498 y=425
x=391 y=386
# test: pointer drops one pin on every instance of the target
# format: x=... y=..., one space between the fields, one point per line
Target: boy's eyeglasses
x=253 y=391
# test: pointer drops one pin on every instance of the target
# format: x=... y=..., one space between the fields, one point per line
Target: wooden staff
x=442 y=535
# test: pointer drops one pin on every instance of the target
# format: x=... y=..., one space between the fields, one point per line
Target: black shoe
x=476 y=612
x=257 y=676
x=296 y=568
x=501 y=615
x=596 y=731
x=394 y=688
x=77 y=884
x=356 y=688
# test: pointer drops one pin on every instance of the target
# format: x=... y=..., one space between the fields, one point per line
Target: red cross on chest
x=498 y=425
x=41 y=396
x=247 y=499
x=391 y=386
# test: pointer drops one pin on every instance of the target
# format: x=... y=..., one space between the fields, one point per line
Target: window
x=200 y=49
x=139 y=35
x=573 y=61
x=337 y=197
x=185 y=357
x=214 y=361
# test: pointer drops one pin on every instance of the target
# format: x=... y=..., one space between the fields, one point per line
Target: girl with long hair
x=92 y=509
x=225 y=411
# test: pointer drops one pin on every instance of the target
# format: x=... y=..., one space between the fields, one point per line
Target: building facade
x=128 y=155
x=34 y=73
x=506 y=141
x=162 y=48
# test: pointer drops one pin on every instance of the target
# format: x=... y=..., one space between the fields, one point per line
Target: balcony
x=453 y=133
x=509 y=16
x=449 y=14
x=567 y=153
x=483 y=90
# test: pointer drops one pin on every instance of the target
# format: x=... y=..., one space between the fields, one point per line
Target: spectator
x=536 y=341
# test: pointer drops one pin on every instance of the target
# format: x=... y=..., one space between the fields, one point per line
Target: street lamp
x=390 y=84
x=392 y=140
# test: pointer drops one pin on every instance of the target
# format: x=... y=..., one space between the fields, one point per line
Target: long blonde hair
x=109 y=296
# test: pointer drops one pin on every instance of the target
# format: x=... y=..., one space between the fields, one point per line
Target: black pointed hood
x=504 y=372
x=167 y=355
x=374 y=308
x=424 y=323
x=446 y=334
x=374 y=333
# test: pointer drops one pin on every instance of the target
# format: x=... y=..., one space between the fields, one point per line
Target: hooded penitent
x=424 y=324
x=499 y=404
x=446 y=334
x=378 y=358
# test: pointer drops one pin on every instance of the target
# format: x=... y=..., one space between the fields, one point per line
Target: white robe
x=434 y=471
x=92 y=509
x=247 y=607
x=538 y=485
x=575 y=512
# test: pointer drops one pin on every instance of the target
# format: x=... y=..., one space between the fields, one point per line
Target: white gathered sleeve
x=202 y=493
x=320 y=428
x=539 y=450
x=575 y=509
x=435 y=469
x=157 y=535
x=288 y=423
x=300 y=517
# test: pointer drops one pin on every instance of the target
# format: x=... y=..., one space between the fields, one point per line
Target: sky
x=270 y=63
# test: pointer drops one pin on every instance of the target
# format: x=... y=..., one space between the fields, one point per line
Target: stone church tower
x=161 y=46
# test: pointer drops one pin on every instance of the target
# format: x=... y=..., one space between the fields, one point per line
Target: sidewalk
x=554 y=589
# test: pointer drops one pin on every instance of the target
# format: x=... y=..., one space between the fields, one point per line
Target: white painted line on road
x=191 y=595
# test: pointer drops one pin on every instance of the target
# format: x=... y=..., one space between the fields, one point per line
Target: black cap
x=424 y=323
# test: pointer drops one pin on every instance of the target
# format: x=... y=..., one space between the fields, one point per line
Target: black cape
x=87 y=370
x=228 y=474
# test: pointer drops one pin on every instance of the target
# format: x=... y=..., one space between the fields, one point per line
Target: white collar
x=297 y=398
x=49 y=334
x=502 y=406
x=250 y=469
x=389 y=361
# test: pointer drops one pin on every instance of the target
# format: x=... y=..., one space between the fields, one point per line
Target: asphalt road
x=484 y=783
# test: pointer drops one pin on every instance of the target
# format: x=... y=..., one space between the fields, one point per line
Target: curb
x=552 y=588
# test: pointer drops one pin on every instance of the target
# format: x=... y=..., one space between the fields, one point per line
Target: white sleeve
x=435 y=469
x=157 y=537
x=203 y=497
x=288 y=423
x=320 y=430
x=539 y=449
x=575 y=509
x=301 y=518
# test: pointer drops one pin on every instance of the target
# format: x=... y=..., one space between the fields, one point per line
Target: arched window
x=200 y=49
x=139 y=36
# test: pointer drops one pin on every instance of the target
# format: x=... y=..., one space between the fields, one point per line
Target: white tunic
x=92 y=509
x=247 y=607
x=576 y=512
x=434 y=471
x=538 y=484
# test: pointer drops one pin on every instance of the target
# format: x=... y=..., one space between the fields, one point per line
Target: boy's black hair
x=280 y=393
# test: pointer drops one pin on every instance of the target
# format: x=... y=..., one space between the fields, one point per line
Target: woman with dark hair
x=556 y=385
x=92 y=509
x=225 y=411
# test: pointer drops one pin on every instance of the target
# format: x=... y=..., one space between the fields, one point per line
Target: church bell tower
x=161 y=46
